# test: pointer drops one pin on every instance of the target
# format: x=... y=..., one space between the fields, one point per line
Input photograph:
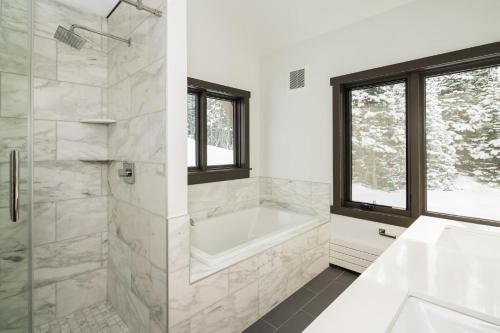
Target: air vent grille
x=297 y=79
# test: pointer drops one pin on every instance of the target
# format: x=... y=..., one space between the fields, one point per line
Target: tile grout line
x=264 y=320
x=319 y=293
x=293 y=315
x=305 y=304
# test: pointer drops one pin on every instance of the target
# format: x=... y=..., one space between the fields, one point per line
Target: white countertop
x=415 y=265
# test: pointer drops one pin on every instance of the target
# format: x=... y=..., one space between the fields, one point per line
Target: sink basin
x=473 y=242
x=417 y=316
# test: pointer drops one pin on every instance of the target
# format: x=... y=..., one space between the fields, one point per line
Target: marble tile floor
x=295 y=313
x=96 y=319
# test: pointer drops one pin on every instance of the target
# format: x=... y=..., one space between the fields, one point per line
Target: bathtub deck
x=296 y=312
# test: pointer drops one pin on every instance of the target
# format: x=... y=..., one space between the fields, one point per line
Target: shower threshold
x=95 y=319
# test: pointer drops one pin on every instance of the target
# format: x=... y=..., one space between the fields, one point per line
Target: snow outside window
x=463 y=143
x=220 y=132
x=191 y=119
x=378 y=145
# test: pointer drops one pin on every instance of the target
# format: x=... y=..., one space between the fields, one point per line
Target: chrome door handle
x=14 y=186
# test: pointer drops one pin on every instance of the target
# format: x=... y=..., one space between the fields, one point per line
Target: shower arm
x=138 y=4
x=81 y=27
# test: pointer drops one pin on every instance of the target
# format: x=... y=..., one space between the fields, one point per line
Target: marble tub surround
x=70 y=196
x=212 y=199
x=137 y=224
x=297 y=195
x=232 y=299
x=225 y=240
x=219 y=198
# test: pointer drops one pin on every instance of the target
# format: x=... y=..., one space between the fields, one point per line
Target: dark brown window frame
x=415 y=72
x=348 y=160
x=202 y=173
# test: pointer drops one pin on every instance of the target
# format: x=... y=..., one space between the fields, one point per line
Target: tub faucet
x=191 y=221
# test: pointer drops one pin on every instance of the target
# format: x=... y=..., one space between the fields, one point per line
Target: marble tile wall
x=14 y=106
x=137 y=278
x=297 y=195
x=233 y=298
x=212 y=199
x=70 y=195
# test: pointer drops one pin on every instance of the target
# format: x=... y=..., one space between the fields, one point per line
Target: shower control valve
x=127 y=172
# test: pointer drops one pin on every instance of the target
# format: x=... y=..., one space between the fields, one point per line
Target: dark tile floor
x=296 y=312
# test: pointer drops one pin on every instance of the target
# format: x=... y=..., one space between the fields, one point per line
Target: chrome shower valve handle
x=127 y=172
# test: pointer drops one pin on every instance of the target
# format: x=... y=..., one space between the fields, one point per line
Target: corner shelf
x=96 y=160
x=100 y=121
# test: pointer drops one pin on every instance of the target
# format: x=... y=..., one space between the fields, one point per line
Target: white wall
x=220 y=54
x=291 y=133
x=176 y=117
x=296 y=129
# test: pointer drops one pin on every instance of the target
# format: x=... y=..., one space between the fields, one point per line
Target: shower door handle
x=14 y=186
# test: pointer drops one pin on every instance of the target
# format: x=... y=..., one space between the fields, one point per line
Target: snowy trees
x=441 y=152
x=379 y=136
x=220 y=126
x=462 y=132
x=191 y=116
x=219 y=129
x=463 y=127
x=191 y=122
x=220 y=123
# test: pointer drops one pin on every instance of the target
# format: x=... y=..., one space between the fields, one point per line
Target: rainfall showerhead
x=71 y=38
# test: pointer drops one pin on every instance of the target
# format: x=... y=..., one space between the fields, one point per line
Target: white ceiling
x=99 y=7
x=275 y=24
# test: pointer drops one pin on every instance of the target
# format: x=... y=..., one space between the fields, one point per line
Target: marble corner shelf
x=101 y=121
x=96 y=160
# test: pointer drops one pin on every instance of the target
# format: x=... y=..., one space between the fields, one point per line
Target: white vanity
x=440 y=276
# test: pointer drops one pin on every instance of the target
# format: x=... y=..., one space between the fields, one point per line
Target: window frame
x=348 y=148
x=203 y=173
x=415 y=72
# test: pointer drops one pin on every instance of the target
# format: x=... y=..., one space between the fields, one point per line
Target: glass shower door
x=15 y=166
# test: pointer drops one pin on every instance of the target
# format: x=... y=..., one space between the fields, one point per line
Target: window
x=192 y=132
x=420 y=138
x=463 y=143
x=218 y=132
x=378 y=145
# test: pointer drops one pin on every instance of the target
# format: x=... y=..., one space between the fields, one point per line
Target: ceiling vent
x=297 y=79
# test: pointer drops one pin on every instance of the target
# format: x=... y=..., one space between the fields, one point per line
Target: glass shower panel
x=15 y=166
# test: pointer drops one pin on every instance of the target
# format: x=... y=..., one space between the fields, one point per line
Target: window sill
x=403 y=221
x=216 y=175
x=386 y=218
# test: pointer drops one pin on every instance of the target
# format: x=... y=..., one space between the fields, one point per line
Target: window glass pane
x=191 y=121
x=463 y=143
x=220 y=132
x=378 y=144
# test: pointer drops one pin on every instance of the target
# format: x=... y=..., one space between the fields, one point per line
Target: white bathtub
x=228 y=238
